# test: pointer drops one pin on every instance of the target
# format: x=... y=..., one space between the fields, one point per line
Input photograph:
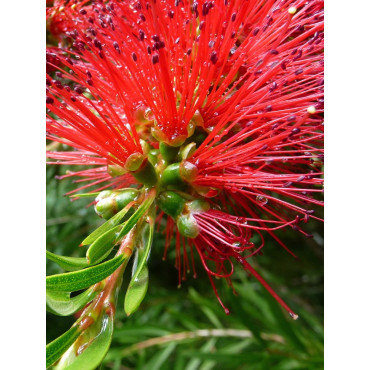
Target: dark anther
x=155 y=58
x=214 y=57
x=78 y=90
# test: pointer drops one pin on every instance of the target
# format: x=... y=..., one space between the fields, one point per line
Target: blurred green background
x=186 y=328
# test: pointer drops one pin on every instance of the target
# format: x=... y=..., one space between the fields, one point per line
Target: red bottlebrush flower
x=217 y=104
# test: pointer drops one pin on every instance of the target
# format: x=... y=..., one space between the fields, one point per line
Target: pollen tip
x=292 y=10
x=293 y=315
x=311 y=109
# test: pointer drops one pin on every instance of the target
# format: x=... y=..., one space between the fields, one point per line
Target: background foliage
x=186 y=328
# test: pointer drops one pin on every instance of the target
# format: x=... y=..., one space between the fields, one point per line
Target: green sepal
x=138 y=286
x=68 y=263
x=73 y=281
x=171 y=203
x=132 y=221
x=112 y=222
x=101 y=248
x=61 y=304
x=91 y=357
x=56 y=348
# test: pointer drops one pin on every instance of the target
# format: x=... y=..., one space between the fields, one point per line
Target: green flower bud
x=188 y=226
x=153 y=156
x=146 y=174
x=109 y=202
x=171 y=203
x=178 y=173
x=169 y=153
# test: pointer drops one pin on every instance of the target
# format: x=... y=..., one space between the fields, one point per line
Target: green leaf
x=136 y=291
x=68 y=263
x=140 y=278
x=56 y=348
x=73 y=281
x=60 y=303
x=110 y=224
x=132 y=221
x=102 y=246
x=93 y=355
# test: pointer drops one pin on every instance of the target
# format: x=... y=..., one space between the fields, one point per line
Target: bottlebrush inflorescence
x=204 y=118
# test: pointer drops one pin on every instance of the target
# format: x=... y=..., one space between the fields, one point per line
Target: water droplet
x=261 y=200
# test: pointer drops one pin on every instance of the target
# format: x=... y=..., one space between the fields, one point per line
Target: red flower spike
x=234 y=88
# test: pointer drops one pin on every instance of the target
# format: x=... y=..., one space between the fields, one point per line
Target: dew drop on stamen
x=261 y=200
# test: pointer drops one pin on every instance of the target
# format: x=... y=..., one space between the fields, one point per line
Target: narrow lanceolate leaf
x=56 y=348
x=73 y=281
x=68 y=263
x=131 y=222
x=110 y=224
x=94 y=353
x=139 y=282
x=102 y=246
x=60 y=303
x=136 y=291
